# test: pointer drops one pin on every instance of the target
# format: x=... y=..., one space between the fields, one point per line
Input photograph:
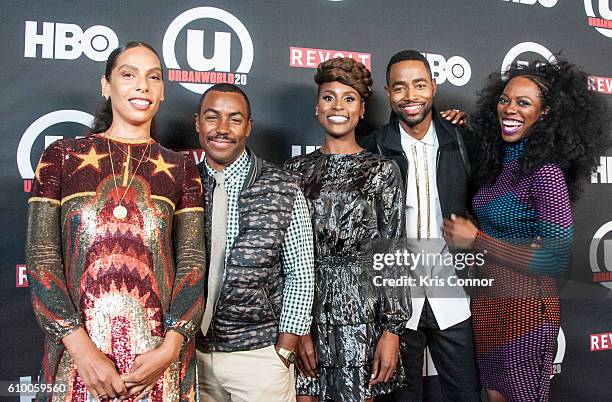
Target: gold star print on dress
x=161 y=166
x=92 y=158
x=39 y=168
x=126 y=275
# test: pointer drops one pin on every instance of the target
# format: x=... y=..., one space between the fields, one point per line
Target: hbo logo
x=456 y=69
x=68 y=41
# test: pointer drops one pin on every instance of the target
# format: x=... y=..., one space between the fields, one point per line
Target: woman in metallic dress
x=115 y=249
x=357 y=203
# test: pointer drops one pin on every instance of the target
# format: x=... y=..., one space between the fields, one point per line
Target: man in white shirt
x=434 y=163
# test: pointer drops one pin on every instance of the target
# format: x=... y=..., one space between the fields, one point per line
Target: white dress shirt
x=424 y=232
x=417 y=200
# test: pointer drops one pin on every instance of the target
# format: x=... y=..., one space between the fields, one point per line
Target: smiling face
x=411 y=92
x=223 y=125
x=339 y=108
x=135 y=87
x=519 y=108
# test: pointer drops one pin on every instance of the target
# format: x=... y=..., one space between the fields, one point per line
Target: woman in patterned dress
x=540 y=132
x=356 y=200
x=115 y=249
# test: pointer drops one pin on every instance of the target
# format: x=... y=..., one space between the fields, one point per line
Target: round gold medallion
x=120 y=212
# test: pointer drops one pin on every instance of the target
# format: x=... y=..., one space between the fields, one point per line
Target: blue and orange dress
x=526 y=229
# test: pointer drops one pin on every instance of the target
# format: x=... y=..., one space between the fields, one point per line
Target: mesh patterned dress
x=527 y=232
x=356 y=202
x=125 y=279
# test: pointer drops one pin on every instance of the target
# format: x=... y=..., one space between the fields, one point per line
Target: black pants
x=452 y=351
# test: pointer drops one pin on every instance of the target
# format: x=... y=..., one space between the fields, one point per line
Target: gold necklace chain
x=418 y=191
x=426 y=163
x=120 y=215
x=130 y=156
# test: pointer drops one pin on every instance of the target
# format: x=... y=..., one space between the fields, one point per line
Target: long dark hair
x=104 y=115
x=572 y=136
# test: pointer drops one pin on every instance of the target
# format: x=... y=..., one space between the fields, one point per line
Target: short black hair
x=223 y=87
x=404 y=55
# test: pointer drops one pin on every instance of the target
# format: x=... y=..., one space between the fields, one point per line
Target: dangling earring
x=316 y=113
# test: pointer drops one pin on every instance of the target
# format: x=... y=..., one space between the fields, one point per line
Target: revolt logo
x=600 y=255
x=311 y=58
x=68 y=41
x=21 y=276
x=525 y=48
x=195 y=154
x=219 y=66
x=601 y=342
x=600 y=84
x=602 y=19
x=33 y=132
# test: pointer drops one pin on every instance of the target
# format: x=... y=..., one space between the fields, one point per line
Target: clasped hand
x=101 y=377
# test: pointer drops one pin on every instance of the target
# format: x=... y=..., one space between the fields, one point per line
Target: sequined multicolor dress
x=125 y=281
x=527 y=232
x=356 y=201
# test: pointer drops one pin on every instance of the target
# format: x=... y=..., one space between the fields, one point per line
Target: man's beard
x=413 y=121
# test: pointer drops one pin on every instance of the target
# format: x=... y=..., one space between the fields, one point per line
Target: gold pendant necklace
x=120 y=211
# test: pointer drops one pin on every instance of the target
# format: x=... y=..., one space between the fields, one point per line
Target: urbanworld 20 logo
x=600 y=255
x=44 y=125
x=526 y=47
x=601 y=21
x=206 y=71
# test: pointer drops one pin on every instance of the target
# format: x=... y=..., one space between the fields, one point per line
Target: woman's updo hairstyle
x=346 y=71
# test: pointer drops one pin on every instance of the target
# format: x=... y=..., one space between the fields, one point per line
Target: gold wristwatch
x=286 y=354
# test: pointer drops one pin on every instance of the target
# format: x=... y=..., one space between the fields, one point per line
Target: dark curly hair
x=572 y=136
x=346 y=71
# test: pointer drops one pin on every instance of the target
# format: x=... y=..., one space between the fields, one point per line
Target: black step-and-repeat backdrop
x=53 y=53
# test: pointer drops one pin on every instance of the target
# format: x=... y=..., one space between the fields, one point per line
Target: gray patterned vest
x=249 y=305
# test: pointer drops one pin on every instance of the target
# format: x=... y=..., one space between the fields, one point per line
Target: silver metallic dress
x=357 y=204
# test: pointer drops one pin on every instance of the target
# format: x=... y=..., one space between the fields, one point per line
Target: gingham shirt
x=297 y=254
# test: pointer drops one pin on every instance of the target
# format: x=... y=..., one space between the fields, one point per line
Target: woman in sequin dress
x=356 y=200
x=540 y=132
x=115 y=250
